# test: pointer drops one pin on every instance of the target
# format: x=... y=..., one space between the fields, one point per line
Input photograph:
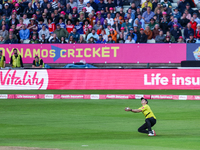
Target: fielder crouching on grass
x=150 y=120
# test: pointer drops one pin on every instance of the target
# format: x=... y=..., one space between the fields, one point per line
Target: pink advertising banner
x=98 y=53
x=100 y=79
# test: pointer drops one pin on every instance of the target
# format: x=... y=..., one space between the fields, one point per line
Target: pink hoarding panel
x=66 y=96
x=124 y=79
x=26 y=96
x=99 y=53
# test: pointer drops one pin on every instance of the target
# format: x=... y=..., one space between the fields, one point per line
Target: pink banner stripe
x=26 y=96
x=98 y=53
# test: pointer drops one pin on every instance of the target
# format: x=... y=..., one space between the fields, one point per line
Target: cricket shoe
x=154 y=132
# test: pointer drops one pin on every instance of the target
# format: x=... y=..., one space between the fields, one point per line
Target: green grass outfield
x=98 y=124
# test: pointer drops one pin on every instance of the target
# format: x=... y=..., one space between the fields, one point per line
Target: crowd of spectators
x=99 y=21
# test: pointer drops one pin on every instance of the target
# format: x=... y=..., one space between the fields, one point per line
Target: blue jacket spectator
x=101 y=40
x=79 y=28
x=176 y=13
x=101 y=5
x=133 y=35
x=141 y=21
x=24 y=33
x=6 y=10
x=188 y=31
x=94 y=5
x=171 y=23
x=182 y=6
x=93 y=34
x=75 y=35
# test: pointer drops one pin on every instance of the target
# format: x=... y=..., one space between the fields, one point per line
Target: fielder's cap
x=144 y=99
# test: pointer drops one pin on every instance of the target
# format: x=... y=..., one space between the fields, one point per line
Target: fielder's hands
x=127 y=109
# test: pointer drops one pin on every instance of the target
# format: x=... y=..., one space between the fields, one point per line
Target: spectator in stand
x=167 y=3
x=188 y=31
x=91 y=18
x=156 y=31
x=101 y=5
x=189 y=9
x=152 y=24
x=55 y=4
x=19 y=26
x=29 y=10
x=140 y=20
x=193 y=24
x=167 y=39
x=176 y=13
x=182 y=6
x=13 y=20
x=119 y=18
x=173 y=22
x=184 y=21
x=61 y=22
x=86 y=26
x=43 y=39
x=11 y=40
x=145 y=7
x=176 y=32
x=4 y=32
x=69 y=26
x=110 y=40
x=101 y=40
x=149 y=4
x=97 y=26
x=116 y=26
x=109 y=19
x=34 y=39
x=44 y=4
x=196 y=18
x=54 y=18
x=38 y=63
x=88 y=31
x=133 y=35
x=6 y=10
x=138 y=12
x=172 y=39
x=71 y=40
x=32 y=25
x=107 y=30
x=33 y=33
x=127 y=25
x=51 y=25
x=197 y=32
x=112 y=13
x=120 y=39
x=142 y=37
x=4 y=19
x=109 y=4
x=160 y=38
x=113 y=34
x=188 y=15
x=59 y=32
x=148 y=32
x=16 y=60
x=24 y=34
x=136 y=30
x=91 y=40
x=159 y=7
x=44 y=31
x=167 y=10
x=89 y=8
x=94 y=5
x=129 y=40
x=81 y=40
x=79 y=27
x=164 y=25
x=81 y=5
x=121 y=12
x=55 y=39
x=191 y=39
x=147 y=15
x=25 y=20
x=93 y=34
x=124 y=34
x=99 y=18
x=13 y=35
x=75 y=35
x=68 y=9
x=181 y=40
